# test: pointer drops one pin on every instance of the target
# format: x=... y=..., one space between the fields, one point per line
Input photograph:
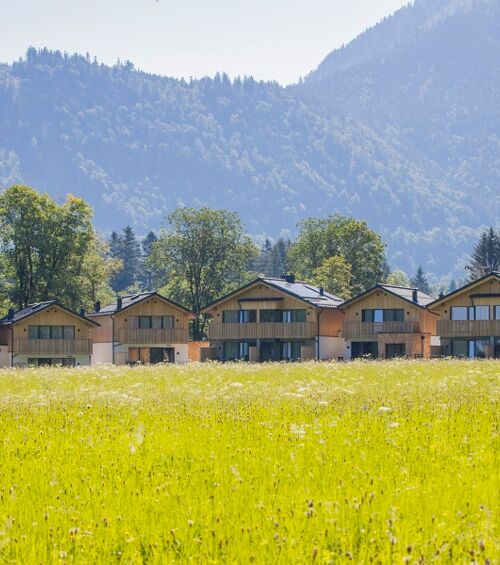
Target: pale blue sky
x=269 y=39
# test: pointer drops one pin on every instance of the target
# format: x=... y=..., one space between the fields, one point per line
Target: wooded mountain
x=400 y=127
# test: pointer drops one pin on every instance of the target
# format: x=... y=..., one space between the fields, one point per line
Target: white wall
x=332 y=348
x=102 y=353
x=4 y=356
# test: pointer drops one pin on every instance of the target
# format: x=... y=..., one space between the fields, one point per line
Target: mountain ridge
x=388 y=139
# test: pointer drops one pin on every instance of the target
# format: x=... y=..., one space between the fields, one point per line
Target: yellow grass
x=314 y=463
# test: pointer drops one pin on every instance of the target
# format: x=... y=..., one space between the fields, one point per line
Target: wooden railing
x=367 y=329
x=52 y=346
x=153 y=337
x=468 y=328
x=264 y=330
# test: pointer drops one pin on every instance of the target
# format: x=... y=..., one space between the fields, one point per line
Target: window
x=291 y=350
x=58 y=362
x=51 y=332
x=379 y=315
x=393 y=350
x=283 y=316
x=496 y=347
x=459 y=313
x=270 y=316
x=459 y=348
x=236 y=351
x=463 y=313
x=476 y=348
x=156 y=322
x=239 y=316
x=497 y=312
x=481 y=313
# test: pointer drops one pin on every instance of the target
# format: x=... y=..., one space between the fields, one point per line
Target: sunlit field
x=395 y=462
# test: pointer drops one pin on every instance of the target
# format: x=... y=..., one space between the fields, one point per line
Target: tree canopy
x=201 y=255
x=338 y=236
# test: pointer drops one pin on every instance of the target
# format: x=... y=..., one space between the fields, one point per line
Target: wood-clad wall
x=126 y=319
x=491 y=286
x=378 y=299
x=53 y=316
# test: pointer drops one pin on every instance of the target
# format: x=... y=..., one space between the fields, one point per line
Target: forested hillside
x=399 y=128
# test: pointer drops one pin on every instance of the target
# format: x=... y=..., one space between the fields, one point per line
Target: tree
x=148 y=274
x=420 y=281
x=398 y=278
x=453 y=286
x=486 y=255
x=45 y=246
x=201 y=255
x=127 y=249
x=337 y=236
x=335 y=276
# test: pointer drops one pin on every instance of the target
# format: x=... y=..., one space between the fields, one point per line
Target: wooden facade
x=120 y=338
x=413 y=333
x=302 y=336
x=471 y=337
x=22 y=347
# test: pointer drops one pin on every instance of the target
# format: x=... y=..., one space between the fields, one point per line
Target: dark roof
x=406 y=293
x=32 y=309
x=304 y=291
x=133 y=299
x=465 y=287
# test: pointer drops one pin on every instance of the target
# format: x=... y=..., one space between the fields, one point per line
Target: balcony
x=153 y=337
x=52 y=346
x=468 y=328
x=370 y=329
x=264 y=330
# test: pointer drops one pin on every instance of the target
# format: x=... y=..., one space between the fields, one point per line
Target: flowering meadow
x=384 y=462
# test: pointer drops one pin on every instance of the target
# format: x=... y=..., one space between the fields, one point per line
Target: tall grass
x=314 y=463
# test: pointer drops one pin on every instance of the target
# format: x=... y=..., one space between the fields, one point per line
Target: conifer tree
x=420 y=281
x=486 y=255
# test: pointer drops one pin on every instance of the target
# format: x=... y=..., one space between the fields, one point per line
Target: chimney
x=321 y=291
x=415 y=295
x=10 y=315
x=97 y=306
x=290 y=279
x=441 y=295
x=119 y=303
x=82 y=312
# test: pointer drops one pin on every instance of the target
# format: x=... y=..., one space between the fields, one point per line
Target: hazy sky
x=269 y=39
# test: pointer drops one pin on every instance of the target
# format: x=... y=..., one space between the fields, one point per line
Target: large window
x=40 y=362
x=474 y=348
x=239 y=316
x=291 y=350
x=497 y=312
x=236 y=351
x=51 y=332
x=387 y=315
x=156 y=322
x=282 y=316
x=462 y=313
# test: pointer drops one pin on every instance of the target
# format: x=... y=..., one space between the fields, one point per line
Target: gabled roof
x=441 y=299
x=33 y=309
x=403 y=292
x=131 y=300
x=308 y=293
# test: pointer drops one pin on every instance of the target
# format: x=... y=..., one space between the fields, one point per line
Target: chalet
x=389 y=321
x=46 y=333
x=469 y=324
x=141 y=328
x=276 y=319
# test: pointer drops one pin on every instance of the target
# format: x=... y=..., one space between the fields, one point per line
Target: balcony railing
x=468 y=328
x=153 y=337
x=52 y=346
x=368 y=329
x=264 y=330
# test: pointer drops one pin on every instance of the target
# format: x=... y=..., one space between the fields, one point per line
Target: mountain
x=399 y=127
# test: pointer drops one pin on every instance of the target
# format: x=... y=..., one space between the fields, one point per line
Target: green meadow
x=383 y=462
